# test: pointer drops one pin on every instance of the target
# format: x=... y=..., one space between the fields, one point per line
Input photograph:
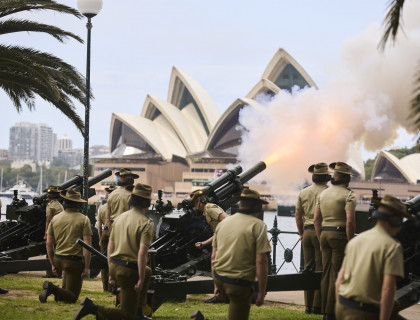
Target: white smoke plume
x=366 y=99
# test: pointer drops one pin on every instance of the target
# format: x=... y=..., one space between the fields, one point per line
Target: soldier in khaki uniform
x=54 y=207
x=305 y=208
x=335 y=212
x=374 y=260
x=104 y=236
x=240 y=248
x=118 y=200
x=63 y=232
x=131 y=236
x=212 y=212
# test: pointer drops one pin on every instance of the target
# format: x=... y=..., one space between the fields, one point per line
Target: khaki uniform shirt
x=212 y=213
x=368 y=257
x=118 y=202
x=129 y=230
x=238 y=240
x=102 y=214
x=53 y=207
x=307 y=201
x=67 y=227
x=333 y=202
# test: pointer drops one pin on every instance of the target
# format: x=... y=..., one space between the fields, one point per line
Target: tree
x=26 y=73
x=392 y=24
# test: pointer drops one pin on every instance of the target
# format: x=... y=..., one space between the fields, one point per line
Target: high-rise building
x=65 y=143
x=29 y=141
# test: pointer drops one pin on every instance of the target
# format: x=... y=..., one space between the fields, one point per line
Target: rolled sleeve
x=262 y=243
x=394 y=264
x=146 y=236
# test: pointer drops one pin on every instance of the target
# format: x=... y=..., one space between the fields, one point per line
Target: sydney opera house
x=183 y=142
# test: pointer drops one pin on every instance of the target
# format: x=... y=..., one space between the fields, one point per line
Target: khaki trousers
x=333 y=244
x=240 y=299
x=345 y=313
x=72 y=280
x=312 y=256
x=105 y=272
x=130 y=299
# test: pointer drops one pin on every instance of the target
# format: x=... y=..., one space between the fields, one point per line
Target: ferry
x=24 y=192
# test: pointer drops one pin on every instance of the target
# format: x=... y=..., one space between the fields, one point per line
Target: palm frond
x=26 y=73
x=8 y=7
x=415 y=102
x=13 y=25
x=392 y=22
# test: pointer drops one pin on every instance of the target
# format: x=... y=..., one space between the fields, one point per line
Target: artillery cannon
x=174 y=249
x=21 y=236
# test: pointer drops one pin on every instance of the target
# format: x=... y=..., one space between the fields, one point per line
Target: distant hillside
x=399 y=153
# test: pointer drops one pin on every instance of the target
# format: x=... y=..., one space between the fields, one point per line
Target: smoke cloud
x=366 y=99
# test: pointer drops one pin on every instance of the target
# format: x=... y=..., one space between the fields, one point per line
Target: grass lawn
x=22 y=303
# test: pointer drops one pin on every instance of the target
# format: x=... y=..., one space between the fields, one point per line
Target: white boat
x=24 y=192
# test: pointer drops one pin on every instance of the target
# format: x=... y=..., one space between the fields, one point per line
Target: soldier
x=212 y=212
x=104 y=236
x=63 y=232
x=335 y=211
x=118 y=200
x=304 y=216
x=54 y=207
x=374 y=260
x=240 y=248
x=131 y=236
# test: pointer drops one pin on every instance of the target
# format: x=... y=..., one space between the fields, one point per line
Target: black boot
x=316 y=310
x=88 y=307
x=48 y=289
x=197 y=315
x=308 y=309
x=141 y=316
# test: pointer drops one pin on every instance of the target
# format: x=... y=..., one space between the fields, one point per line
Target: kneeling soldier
x=63 y=232
x=131 y=236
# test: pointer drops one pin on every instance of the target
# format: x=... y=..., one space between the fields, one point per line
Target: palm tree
x=26 y=73
x=392 y=26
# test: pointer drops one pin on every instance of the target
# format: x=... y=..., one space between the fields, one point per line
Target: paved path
x=296 y=297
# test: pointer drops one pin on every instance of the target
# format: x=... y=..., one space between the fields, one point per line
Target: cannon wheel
x=95 y=243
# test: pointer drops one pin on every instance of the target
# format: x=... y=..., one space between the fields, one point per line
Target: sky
x=224 y=45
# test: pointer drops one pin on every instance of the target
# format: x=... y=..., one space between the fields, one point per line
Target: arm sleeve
x=214 y=212
x=49 y=212
x=87 y=231
x=262 y=243
x=394 y=264
x=50 y=231
x=350 y=202
x=299 y=202
x=146 y=235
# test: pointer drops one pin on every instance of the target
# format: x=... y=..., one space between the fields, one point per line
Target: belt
x=238 y=282
x=339 y=229
x=74 y=258
x=358 y=305
x=125 y=263
x=106 y=228
x=311 y=226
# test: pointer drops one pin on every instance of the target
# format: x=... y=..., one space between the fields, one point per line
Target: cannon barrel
x=227 y=177
x=252 y=172
x=413 y=206
x=228 y=190
x=65 y=185
x=76 y=183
